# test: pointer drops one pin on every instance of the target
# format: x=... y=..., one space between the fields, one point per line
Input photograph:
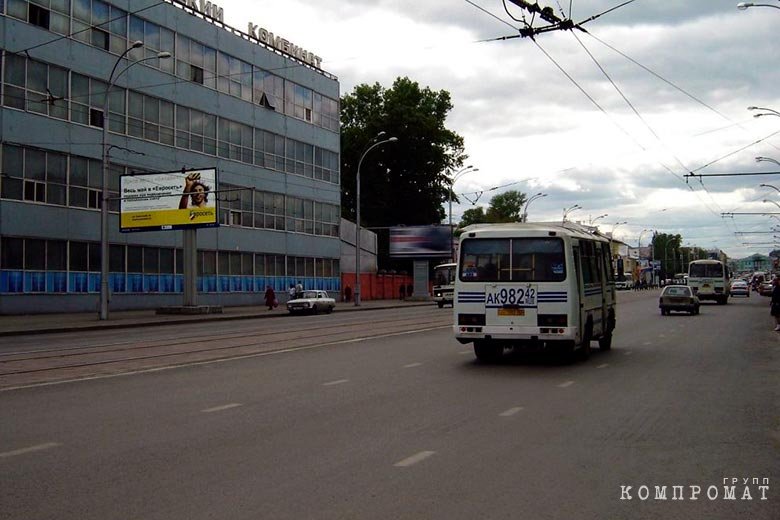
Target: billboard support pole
x=190 y=267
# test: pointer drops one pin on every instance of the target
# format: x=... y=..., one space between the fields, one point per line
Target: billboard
x=420 y=241
x=168 y=200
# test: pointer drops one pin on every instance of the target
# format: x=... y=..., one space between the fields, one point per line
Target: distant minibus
x=533 y=286
x=710 y=280
x=443 y=283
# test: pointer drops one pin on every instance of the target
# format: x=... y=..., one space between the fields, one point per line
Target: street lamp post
x=357 y=214
x=593 y=220
x=744 y=5
x=104 y=267
x=524 y=217
x=455 y=177
x=767 y=159
x=566 y=211
x=773 y=202
x=770 y=186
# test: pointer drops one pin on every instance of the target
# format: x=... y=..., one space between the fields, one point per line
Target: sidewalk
x=49 y=323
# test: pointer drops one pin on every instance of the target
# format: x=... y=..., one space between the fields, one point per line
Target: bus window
x=705 y=270
x=485 y=260
x=538 y=259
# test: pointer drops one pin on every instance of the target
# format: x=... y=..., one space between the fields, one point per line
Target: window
x=485 y=260
x=195 y=62
x=38 y=16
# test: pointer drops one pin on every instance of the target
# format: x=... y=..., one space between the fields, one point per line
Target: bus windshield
x=706 y=271
x=444 y=274
x=513 y=259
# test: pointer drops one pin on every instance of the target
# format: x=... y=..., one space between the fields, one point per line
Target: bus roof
x=542 y=228
x=706 y=261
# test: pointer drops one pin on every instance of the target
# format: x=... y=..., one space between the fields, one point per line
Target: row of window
x=105 y=26
x=35 y=175
x=56 y=92
x=30 y=254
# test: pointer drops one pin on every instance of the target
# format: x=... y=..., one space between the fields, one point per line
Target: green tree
x=405 y=182
x=506 y=207
x=473 y=216
x=666 y=248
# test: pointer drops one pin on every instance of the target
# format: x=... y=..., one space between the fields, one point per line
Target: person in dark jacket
x=270 y=298
x=775 y=303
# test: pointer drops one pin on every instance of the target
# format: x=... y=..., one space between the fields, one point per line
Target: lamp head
x=392 y=140
x=136 y=44
x=163 y=55
x=744 y=5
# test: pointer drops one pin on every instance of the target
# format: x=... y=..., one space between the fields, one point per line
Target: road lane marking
x=662 y=335
x=31 y=449
x=627 y=353
x=414 y=459
x=465 y=352
x=187 y=364
x=647 y=343
x=222 y=407
x=566 y=384
x=605 y=365
x=511 y=411
x=337 y=382
x=412 y=365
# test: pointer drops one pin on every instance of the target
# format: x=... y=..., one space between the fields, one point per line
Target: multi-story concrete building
x=256 y=107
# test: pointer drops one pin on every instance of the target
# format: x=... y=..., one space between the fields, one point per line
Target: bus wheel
x=441 y=305
x=605 y=342
x=488 y=352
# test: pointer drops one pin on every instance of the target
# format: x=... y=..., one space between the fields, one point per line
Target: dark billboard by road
x=420 y=241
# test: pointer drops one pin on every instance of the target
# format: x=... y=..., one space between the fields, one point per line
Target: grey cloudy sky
x=619 y=142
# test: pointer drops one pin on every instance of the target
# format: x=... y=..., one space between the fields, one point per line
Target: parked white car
x=312 y=301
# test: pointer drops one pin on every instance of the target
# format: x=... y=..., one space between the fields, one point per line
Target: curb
x=180 y=321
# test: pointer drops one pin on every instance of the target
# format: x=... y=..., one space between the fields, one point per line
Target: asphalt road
x=379 y=424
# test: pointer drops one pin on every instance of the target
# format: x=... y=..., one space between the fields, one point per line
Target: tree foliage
x=504 y=207
x=405 y=182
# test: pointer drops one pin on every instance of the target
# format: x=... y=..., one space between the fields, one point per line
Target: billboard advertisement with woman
x=168 y=200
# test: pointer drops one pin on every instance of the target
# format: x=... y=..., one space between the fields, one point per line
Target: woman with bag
x=776 y=303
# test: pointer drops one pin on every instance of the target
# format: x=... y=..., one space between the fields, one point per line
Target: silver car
x=313 y=302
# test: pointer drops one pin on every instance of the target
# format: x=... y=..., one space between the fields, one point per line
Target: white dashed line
x=222 y=407
x=511 y=411
x=463 y=352
x=567 y=383
x=647 y=343
x=31 y=449
x=337 y=382
x=627 y=353
x=605 y=365
x=414 y=459
x=412 y=365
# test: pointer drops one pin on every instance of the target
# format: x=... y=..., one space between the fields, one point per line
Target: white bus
x=444 y=284
x=710 y=280
x=533 y=287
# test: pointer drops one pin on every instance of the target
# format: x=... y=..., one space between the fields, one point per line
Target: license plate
x=511 y=312
x=501 y=295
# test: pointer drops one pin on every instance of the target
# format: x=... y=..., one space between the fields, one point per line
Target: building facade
x=256 y=107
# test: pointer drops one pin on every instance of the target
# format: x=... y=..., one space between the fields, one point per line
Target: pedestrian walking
x=299 y=289
x=775 y=303
x=270 y=298
x=348 y=293
x=291 y=292
x=403 y=291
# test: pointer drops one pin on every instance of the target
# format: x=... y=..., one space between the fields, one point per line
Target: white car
x=740 y=288
x=312 y=301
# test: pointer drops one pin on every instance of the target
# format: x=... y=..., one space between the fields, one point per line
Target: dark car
x=678 y=298
x=765 y=289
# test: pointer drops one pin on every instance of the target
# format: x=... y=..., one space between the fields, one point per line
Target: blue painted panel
x=78 y=282
x=224 y=283
x=117 y=282
x=151 y=283
x=167 y=283
x=34 y=281
x=94 y=282
x=210 y=283
x=135 y=283
x=57 y=281
x=179 y=283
